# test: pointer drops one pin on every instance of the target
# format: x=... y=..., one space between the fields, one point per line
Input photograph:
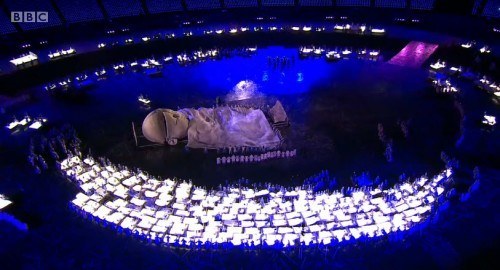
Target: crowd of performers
x=140 y=193
x=178 y=213
x=444 y=79
x=58 y=144
x=280 y=62
x=404 y=126
x=243 y=158
x=388 y=143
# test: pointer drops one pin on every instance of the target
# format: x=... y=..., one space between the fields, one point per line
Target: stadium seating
x=353 y=3
x=6 y=27
x=315 y=3
x=476 y=7
x=277 y=3
x=79 y=10
x=202 y=4
x=390 y=3
x=422 y=4
x=76 y=11
x=240 y=3
x=492 y=9
x=39 y=5
x=122 y=8
x=159 y=6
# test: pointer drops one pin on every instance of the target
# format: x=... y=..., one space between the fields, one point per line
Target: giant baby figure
x=212 y=128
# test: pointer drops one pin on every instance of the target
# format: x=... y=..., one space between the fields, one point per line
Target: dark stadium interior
x=243 y=134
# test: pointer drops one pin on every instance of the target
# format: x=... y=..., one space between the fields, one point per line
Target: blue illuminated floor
x=334 y=110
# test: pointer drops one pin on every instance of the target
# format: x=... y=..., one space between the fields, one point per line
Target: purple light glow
x=243 y=90
x=414 y=54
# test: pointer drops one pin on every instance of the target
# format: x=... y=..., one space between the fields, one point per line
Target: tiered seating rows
x=277 y=3
x=6 y=27
x=353 y=3
x=159 y=6
x=390 y=3
x=79 y=10
x=422 y=4
x=202 y=4
x=240 y=3
x=122 y=8
x=492 y=9
x=315 y=3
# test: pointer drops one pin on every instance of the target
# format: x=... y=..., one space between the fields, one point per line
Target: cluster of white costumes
x=256 y=157
x=197 y=55
x=178 y=211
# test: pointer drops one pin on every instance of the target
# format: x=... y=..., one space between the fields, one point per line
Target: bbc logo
x=29 y=16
